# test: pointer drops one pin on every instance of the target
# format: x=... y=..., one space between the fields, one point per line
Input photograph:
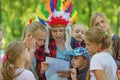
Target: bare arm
x=99 y=74
x=29 y=41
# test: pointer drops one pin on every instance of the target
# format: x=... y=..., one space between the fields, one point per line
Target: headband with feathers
x=57 y=12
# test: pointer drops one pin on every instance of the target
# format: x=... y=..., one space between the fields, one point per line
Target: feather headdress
x=55 y=12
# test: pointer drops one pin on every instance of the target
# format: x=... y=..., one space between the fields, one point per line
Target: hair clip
x=4 y=58
x=106 y=33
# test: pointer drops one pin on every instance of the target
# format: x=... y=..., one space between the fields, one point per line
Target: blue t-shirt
x=63 y=55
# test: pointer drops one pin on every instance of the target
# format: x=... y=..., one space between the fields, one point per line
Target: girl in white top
x=102 y=65
x=16 y=56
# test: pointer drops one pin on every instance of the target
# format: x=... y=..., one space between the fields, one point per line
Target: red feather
x=55 y=3
x=71 y=5
x=30 y=21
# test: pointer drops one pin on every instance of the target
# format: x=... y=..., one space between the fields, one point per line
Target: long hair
x=13 y=52
x=32 y=28
x=93 y=19
x=97 y=35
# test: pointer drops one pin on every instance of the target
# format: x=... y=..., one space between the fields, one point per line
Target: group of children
x=89 y=52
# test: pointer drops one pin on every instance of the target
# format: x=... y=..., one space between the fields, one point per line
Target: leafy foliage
x=16 y=14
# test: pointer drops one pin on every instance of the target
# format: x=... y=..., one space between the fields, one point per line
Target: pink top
x=25 y=75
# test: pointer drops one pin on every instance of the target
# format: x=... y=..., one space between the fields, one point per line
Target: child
x=80 y=64
x=34 y=31
x=14 y=65
x=57 y=16
x=78 y=32
x=99 y=19
x=102 y=64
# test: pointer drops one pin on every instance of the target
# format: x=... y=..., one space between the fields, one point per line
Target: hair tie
x=100 y=50
x=106 y=33
x=4 y=58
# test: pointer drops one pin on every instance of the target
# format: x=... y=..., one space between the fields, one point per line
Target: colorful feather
x=52 y=5
x=73 y=10
x=71 y=6
x=66 y=4
x=40 y=14
x=61 y=5
x=55 y=4
x=69 y=10
x=73 y=17
x=47 y=5
x=47 y=14
x=41 y=21
x=43 y=9
x=58 y=5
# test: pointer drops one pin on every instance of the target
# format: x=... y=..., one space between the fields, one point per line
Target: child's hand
x=64 y=74
x=73 y=74
x=44 y=67
x=30 y=43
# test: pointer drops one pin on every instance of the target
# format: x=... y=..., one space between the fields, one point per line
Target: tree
x=15 y=14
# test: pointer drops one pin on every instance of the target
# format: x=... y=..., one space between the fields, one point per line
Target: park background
x=15 y=15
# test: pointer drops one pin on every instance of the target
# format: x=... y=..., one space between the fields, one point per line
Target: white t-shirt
x=103 y=61
x=25 y=75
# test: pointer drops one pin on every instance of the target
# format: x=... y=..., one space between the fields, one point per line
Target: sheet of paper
x=57 y=64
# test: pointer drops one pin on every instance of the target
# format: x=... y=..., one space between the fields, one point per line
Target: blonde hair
x=13 y=52
x=77 y=24
x=97 y=35
x=93 y=18
x=32 y=28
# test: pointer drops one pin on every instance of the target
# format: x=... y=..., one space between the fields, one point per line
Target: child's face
x=91 y=47
x=1 y=37
x=99 y=21
x=78 y=32
x=58 y=33
x=78 y=62
x=40 y=37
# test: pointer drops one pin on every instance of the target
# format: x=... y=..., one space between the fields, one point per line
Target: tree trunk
x=90 y=11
